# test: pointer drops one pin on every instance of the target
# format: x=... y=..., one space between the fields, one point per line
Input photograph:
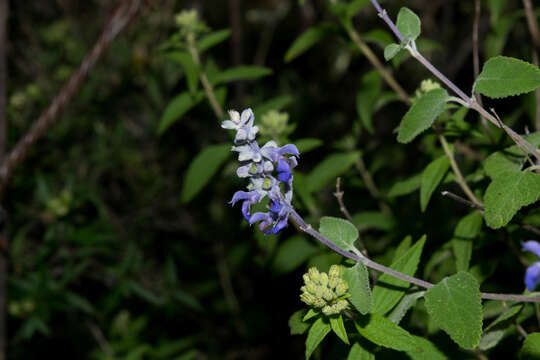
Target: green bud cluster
x=326 y=292
x=275 y=124
x=189 y=23
x=426 y=86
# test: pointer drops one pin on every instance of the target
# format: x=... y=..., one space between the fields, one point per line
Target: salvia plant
x=362 y=301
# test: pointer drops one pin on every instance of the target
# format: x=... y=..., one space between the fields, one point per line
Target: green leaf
x=243 y=72
x=357 y=278
x=383 y=332
x=408 y=23
x=202 y=169
x=511 y=158
x=331 y=167
x=405 y=187
x=494 y=333
x=389 y=290
x=336 y=322
x=455 y=305
x=402 y=247
x=213 y=39
x=177 y=108
x=311 y=314
x=366 y=98
x=325 y=260
x=426 y=350
x=431 y=178
x=316 y=334
x=307 y=144
x=531 y=347
x=505 y=76
x=296 y=324
x=292 y=253
x=374 y=220
x=191 y=70
x=406 y=303
x=339 y=231
x=422 y=114
x=391 y=50
x=466 y=231
x=307 y=39
x=358 y=352
x=508 y=193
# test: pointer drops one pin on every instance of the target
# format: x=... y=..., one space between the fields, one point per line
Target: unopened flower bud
x=328 y=295
x=333 y=281
x=341 y=288
x=334 y=271
x=307 y=298
x=324 y=279
x=310 y=287
x=318 y=303
x=306 y=278
x=327 y=310
x=314 y=274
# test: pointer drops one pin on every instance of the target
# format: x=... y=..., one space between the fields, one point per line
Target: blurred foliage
x=115 y=253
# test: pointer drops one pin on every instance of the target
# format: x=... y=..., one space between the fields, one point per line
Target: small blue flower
x=532 y=275
x=243 y=124
x=249 y=198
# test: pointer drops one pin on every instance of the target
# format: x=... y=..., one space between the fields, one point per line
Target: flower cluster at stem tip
x=268 y=170
x=325 y=292
x=532 y=275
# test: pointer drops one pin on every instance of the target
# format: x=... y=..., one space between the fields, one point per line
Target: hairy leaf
x=358 y=352
x=455 y=306
x=357 y=278
x=383 y=332
x=508 y=193
x=316 y=334
x=405 y=187
x=202 y=169
x=511 y=158
x=422 y=114
x=339 y=231
x=466 y=231
x=505 y=76
x=408 y=23
x=391 y=50
x=336 y=322
x=531 y=347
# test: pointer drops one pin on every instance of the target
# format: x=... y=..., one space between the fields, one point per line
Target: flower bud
x=324 y=279
x=327 y=310
x=318 y=303
x=328 y=295
x=307 y=298
x=334 y=271
x=310 y=287
x=333 y=281
x=314 y=274
x=341 y=288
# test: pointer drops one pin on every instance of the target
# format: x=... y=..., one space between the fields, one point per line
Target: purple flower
x=532 y=275
x=249 y=198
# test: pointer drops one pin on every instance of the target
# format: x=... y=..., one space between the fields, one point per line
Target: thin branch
x=370 y=184
x=473 y=104
x=121 y=17
x=339 y=196
x=531 y=229
x=461 y=200
x=532 y=22
x=459 y=177
x=300 y=224
x=100 y=339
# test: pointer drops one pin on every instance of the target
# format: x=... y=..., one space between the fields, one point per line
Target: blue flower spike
x=268 y=169
x=532 y=275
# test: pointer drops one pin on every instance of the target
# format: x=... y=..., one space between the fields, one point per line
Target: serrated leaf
x=426 y=350
x=357 y=278
x=296 y=324
x=243 y=72
x=307 y=39
x=339 y=231
x=213 y=39
x=191 y=70
x=389 y=290
x=408 y=23
x=508 y=193
x=431 y=178
x=292 y=253
x=202 y=169
x=391 y=50
x=422 y=114
x=358 y=352
x=455 y=306
x=383 y=332
x=505 y=76
x=329 y=169
x=405 y=187
x=316 y=334
x=531 y=347
x=406 y=303
x=511 y=158
x=466 y=231
x=336 y=322
x=177 y=108
x=305 y=145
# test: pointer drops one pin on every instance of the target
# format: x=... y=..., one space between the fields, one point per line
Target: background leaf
x=292 y=253
x=466 y=231
x=431 y=178
x=177 y=108
x=202 y=169
x=505 y=76
x=307 y=39
x=244 y=72
x=455 y=306
x=531 y=347
x=330 y=168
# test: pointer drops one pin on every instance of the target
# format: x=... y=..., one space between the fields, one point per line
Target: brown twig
x=100 y=339
x=531 y=229
x=339 y=196
x=532 y=22
x=461 y=200
x=120 y=18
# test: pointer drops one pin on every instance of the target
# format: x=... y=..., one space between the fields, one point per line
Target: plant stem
x=207 y=86
x=473 y=104
x=297 y=220
x=339 y=196
x=459 y=177
x=370 y=184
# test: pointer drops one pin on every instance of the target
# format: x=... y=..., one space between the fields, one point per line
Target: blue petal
x=239 y=195
x=284 y=176
x=532 y=276
x=275 y=206
x=245 y=210
x=289 y=149
x=532 y=246
x=260 y=216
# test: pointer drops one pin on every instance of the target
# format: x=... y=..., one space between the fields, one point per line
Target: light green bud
x=324 y=279
x=328 y=295
x=310 y=287
x=341 y=288
x=333 y=281
x=314 y=274
x=428 y=85
x=327 y=310
x=306 y=278
x=334 y=271
x=307 y=298
x=319 y=291
x=319 y=303
x=342 y=305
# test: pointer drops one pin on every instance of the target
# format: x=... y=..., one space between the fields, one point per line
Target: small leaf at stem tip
x=339 y=328
x=408 y=23
x=505 y=76
x=391 y=50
